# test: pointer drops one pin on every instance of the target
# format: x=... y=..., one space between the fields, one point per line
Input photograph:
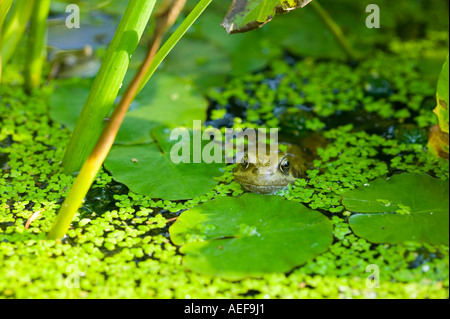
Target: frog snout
x=265 y=172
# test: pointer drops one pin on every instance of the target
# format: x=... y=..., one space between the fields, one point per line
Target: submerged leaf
x=246 y=15
x=250 y=235
x=407 y=207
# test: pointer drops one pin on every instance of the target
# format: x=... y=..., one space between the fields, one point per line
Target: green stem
x=96 y=158
x=5 y=5
x=15 y=28
x=335 y=30
x=36 y=56
x=100 y=101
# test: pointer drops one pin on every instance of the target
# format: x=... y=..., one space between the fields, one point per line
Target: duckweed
x=119 y=246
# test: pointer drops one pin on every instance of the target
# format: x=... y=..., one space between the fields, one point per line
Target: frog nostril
x=255 y=170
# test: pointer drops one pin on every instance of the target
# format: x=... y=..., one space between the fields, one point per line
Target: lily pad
x=68 y=100
x=246 y=15
x=407 y=207
x=203 y=63
x=167 y=100
x=148 y=169
x=250 y=236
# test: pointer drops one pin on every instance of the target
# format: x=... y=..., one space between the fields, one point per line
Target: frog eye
x=285 y=165
x=245 y=163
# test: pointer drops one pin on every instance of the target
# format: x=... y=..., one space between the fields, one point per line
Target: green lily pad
x=166 y=100
x=68 y=100
x=246 y=15
x=203 y=63
x=148 y=169
x=407 y=207
x=250 y=236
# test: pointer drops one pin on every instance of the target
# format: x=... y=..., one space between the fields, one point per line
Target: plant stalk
x=36 y=45
x=104 y=144
x=15 y=28
x=335 y=30
x=100 y=102
x=5 y=5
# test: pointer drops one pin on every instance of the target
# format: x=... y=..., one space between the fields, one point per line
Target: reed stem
x=5 y=5
x=36 y=45
x=15 y=28
x=100 y=102
x=98 y=155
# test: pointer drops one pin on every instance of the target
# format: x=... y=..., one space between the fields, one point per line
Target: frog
x=73 y=63
x=280 y=167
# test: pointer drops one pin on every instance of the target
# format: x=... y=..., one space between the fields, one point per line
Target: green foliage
x=203 y=55
x=5 y=5
x=122 y=250
x=442 y=98
x=245 y=15
x=119 y=240
x=100 y=101
x=36 y=44
x=14 y=28
x=67 y=111
x=167 y=101
x=250 y=236
x=381 y=94
x=182 y=104
x=406 y=207
x=354 y=159
x=166 y=179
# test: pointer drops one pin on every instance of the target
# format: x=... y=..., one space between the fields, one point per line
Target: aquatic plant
x=438 y=140
x=15 y=28
x=96 y=158
x=4 y=8
x=36 y=44
x=120 y=241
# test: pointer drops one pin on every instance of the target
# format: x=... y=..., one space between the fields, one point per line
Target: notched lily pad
x=250 y=236
x=247 y=15
x=148 y=169
x=407 y=207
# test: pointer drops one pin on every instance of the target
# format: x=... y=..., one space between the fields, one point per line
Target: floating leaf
x=407 y=207
x=246 y=15
x=250 y=235
x=166 y=100
x=201 y=62
x=68 y=100
x=148 y=169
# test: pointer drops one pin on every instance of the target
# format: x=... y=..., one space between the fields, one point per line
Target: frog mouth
x=262 y=189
